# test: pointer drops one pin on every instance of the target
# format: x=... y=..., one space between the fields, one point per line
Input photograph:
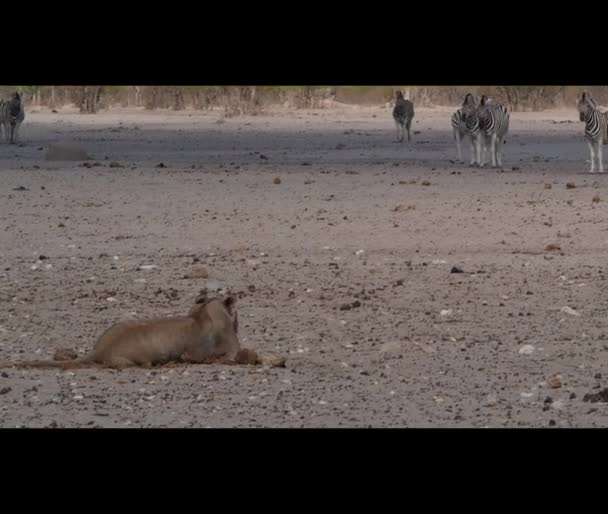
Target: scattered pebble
x=527 y=349
x=553 y=248
x=570 y=311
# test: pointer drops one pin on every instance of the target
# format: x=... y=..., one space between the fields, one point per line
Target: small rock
x=425 y=183
x=263 y=157
x=491 y=400
x=456 y=269
x=548 y=186
x=554 y=382
x=527 y=349
x=345 y=307
x=276 y=180
x=570 y=185
x=446 y=312
x=161 y=165
x=20 y=188
x=596 y=199
x=5 y=390
x=115 y=164
x=4 y=374
x=515 y=168
x=553 y=248
x=569 y=311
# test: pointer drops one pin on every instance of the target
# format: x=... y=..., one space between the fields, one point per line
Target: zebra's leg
x=599 y=156
x=493 y=149
x=499 y=152
x=457 y=138
x=475 y=151
x=409 y=135
x=398 y=127
x=592 y=152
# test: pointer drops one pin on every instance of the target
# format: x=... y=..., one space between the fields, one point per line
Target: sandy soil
x=344 y=267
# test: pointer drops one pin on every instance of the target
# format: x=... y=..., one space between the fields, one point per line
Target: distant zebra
x=12 y=115
x=494 y=126
x=403 y=114
x=471 y=122
x=596 y=132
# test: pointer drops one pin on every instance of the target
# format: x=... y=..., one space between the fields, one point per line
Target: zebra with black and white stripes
x=494 y=127
x=12 y=115
x=471 y=124
x=596 y=131
x=459 y=127
x=403 y=114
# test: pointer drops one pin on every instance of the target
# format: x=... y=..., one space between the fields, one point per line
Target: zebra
x=494 y=126
x=596 y=132
x=403 y=114
x=12 y=115
x=459 y=128
x=471 y=124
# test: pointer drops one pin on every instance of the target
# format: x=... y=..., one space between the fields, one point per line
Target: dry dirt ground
x=344 y=267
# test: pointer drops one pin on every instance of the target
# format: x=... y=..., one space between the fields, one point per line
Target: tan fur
x=207 y=334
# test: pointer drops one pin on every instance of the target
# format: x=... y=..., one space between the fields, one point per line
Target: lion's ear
x=229 y=303
x=202 y=297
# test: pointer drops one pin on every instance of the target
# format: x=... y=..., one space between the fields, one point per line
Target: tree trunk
x=89 y=99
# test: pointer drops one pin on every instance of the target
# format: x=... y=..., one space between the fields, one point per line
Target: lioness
x=207 y=334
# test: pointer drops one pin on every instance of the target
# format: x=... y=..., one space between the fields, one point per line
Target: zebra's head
x=399 y=95
x=585 y=106
x=14 y=105
x=469 y=106
x=469 y=101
